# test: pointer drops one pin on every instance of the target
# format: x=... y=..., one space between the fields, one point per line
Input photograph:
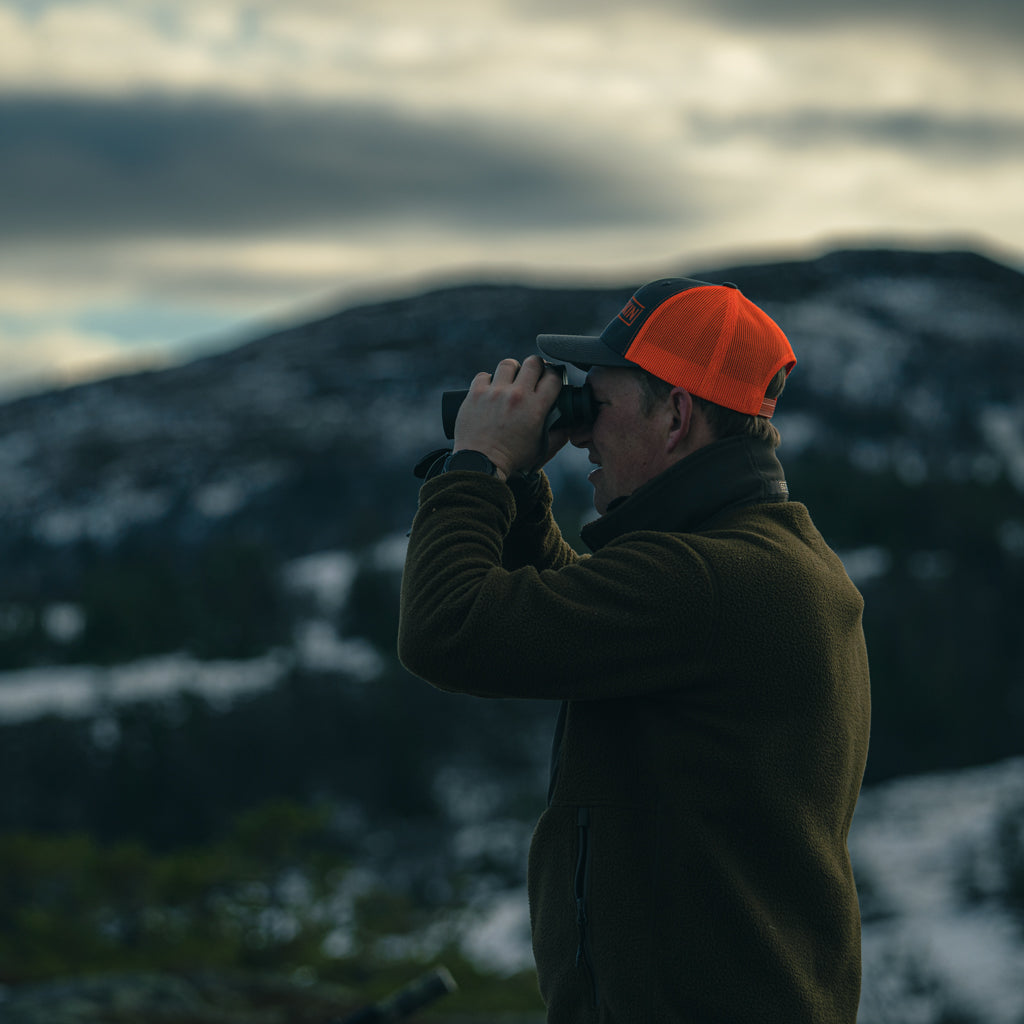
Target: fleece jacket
x=692 y=864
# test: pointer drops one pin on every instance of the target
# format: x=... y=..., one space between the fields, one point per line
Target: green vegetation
x=276 y=895
x=71 y=904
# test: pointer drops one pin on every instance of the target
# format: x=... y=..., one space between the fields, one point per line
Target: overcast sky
x=183 y=172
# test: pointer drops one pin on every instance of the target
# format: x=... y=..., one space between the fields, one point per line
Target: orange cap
x=707 y=338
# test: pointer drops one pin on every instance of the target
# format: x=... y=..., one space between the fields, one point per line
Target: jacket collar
x=720 y=476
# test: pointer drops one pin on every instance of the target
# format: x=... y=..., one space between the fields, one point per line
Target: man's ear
x=681 y=404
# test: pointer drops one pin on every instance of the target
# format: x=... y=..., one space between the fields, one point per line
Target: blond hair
x=722 y=421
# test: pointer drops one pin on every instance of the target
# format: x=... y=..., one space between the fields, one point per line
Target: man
x=691 y=865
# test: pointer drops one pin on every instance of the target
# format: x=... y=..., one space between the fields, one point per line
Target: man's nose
x=580 y=436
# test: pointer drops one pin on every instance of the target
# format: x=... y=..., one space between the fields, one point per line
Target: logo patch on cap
x=630 y=312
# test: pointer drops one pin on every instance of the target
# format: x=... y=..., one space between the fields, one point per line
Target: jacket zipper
x=581 y=886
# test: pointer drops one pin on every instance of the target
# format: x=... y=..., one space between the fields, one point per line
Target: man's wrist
x=475 y=462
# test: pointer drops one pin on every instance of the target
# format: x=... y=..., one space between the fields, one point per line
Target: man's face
x=627 y=446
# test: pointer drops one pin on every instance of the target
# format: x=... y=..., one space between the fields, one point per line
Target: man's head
x=683 y=364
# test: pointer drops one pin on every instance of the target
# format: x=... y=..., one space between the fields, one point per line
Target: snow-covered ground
x=941 y=942
x=938 y=936
x=321 y=581
x=89 y=691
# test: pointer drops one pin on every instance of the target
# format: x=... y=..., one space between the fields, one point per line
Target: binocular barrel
x=574 y=407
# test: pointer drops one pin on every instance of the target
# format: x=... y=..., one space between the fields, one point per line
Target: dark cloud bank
x=81 y=169
x=930 y=135
x=71 y=167
x=981 y=19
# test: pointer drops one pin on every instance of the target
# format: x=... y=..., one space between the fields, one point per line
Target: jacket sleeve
x=533 y=537
x=630 y=619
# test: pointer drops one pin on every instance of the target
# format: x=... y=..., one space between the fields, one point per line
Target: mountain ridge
x=365 y=379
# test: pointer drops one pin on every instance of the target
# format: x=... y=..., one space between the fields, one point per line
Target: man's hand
x=503 y=416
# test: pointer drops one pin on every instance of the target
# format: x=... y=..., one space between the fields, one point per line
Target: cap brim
x=580 y=350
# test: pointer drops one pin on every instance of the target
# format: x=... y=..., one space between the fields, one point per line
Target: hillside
x=197 y=612
x=157 y=513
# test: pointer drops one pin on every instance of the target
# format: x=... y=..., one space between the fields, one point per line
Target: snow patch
x=929 y=948
x=1003 y=430
x=326 y=577
x=104 y=518
x=81 y=691
x=866 y=564
x=319 y=648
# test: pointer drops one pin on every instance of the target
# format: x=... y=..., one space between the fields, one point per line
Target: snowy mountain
x=201 y=570
x=903 y=430
x=909 y=361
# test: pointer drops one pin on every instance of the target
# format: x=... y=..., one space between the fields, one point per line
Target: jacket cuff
x=532 y=493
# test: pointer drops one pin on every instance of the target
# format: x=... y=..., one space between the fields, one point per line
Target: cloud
x=36 y=354
x=967 y=138
x=984 y=18
x=995 y=16
x=149 y=166
x=169 y=168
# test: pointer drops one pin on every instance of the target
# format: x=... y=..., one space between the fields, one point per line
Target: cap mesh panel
x=718 y=346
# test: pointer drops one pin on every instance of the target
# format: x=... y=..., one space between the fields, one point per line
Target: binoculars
x=574 y=406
